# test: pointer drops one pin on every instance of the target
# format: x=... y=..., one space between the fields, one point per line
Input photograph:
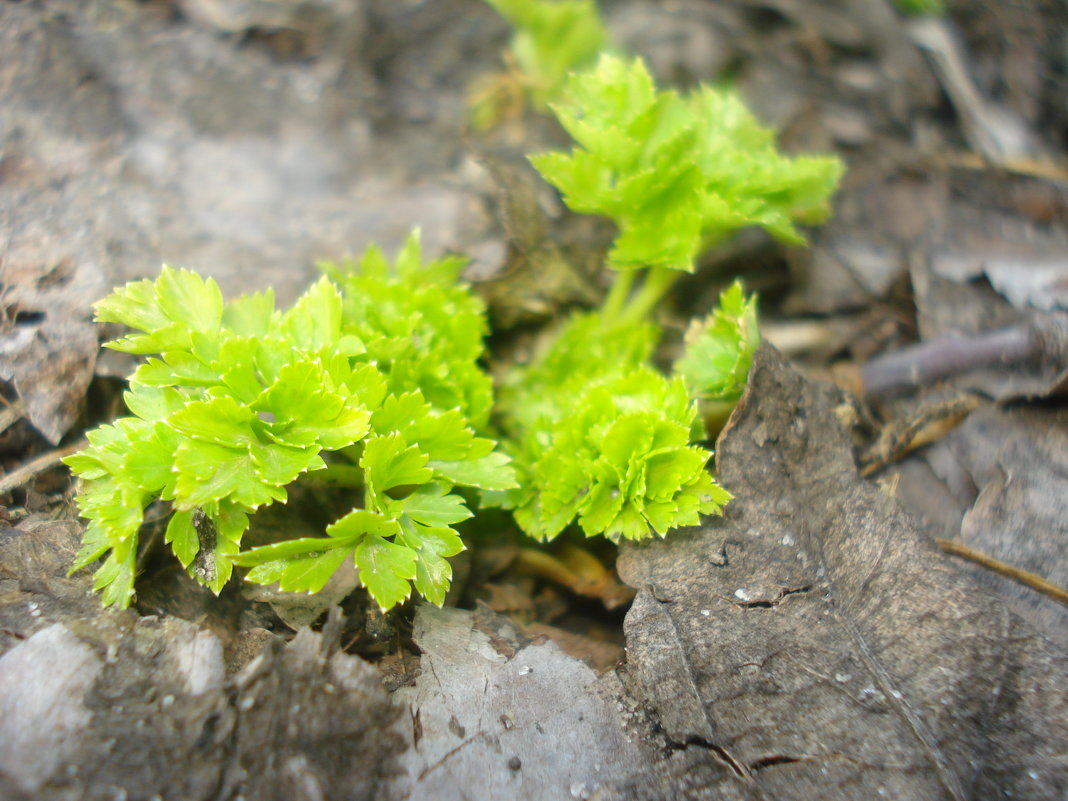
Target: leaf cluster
x=720 y=348
x=369 y=379
x=609 y=444
x=676 y=173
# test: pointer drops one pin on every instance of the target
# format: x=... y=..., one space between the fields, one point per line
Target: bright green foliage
x=376 y=368
x=599 y=437
x=720 y=348
x=371 y=379
x=676 y=173
x=585 y=351
x=420 y=327
x=552 y=38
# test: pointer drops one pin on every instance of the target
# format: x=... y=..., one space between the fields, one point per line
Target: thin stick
x=43 y=462
x=1036 y=583
x=930 y=361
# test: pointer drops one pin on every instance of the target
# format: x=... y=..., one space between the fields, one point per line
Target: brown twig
x=927 y=362
x=18 y=477
x=1037 y=583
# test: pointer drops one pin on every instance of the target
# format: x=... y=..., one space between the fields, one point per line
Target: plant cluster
x=372 y=380
x=596 y=434
x=677 y=174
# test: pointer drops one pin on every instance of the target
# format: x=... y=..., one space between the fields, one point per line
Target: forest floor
x=859 y=623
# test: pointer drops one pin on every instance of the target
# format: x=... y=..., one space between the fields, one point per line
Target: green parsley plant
x=370 y=381
x=596 y=434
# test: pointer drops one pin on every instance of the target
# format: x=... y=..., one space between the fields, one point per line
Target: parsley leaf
x=676 y=173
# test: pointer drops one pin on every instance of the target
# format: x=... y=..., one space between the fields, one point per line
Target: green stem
x=656 y=285
x=618 y=294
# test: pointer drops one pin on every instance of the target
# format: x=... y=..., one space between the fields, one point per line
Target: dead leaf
x=1002 y=473
x=997 y=132
x=921 y=426
x=48 y=343
x=816 y=644
x=534 y=724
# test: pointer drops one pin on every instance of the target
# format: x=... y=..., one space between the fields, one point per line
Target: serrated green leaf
x=190 y=300
x=103 y=457
x=430 y=546
x=281 y=464
x=236 y=367
x=409 y=261
x=493 y=471
x=115 y=578
x=283 y=551
x=221 y=420
x=135 y=305
x=390 y=462
x=176 y=368
x=360 y=523
x=386 y=569
x=149 y=459
x=250 y=315
x=85 y=464
x=399 y=413
x=602 y=506
x=153 y=403
x=173 y=338
x=432 y=505
x=720 y=348
x=95 y=543
x=314 y=322
x=208 y=472
x=676 y=174
x=373 y=263
x=114 y=507
x=306 y=413
x=441 y=436
x=182 y=535
x=308 y=573
x=629 y=524
x=366 y=384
